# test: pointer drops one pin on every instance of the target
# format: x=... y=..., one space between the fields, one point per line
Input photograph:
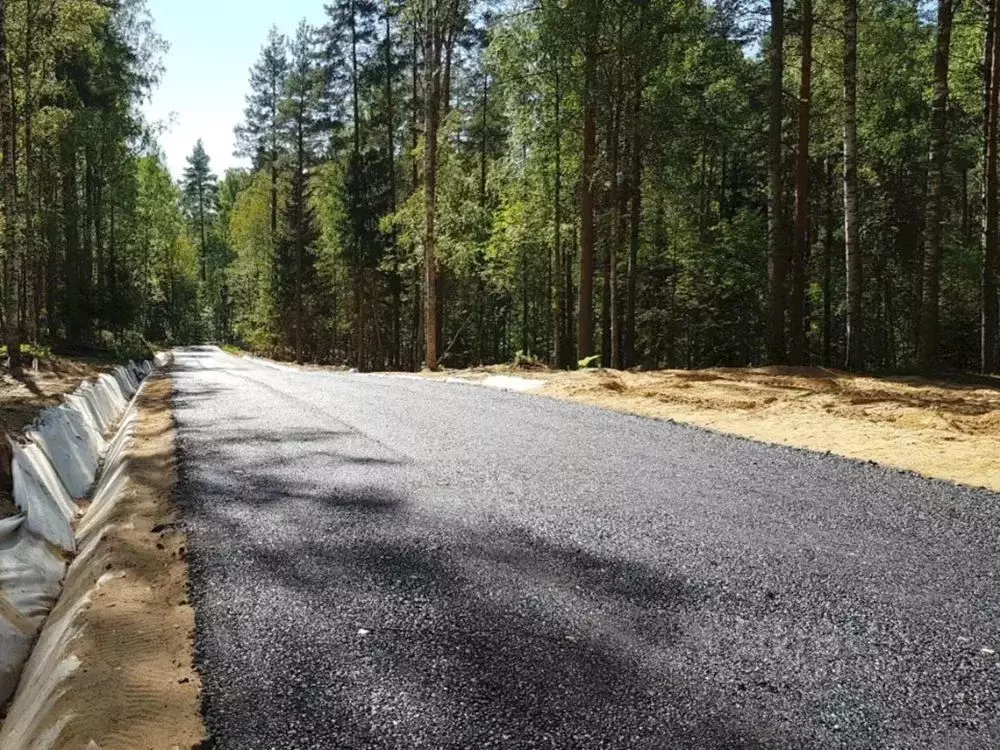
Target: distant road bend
x=380 y=562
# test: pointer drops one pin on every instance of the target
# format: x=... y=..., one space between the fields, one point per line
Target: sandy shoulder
x=137 y=686
x=935 y=428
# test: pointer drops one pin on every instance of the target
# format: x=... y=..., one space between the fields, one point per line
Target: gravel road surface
x=383 y=562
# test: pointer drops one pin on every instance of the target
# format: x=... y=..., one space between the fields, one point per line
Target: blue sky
x=213 y=43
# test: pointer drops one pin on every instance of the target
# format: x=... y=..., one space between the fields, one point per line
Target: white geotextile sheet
x=59 y=464
x=31 y=574
x=118 y=397
x=98 y=404
x=127 y=387
x=72 y=444
x=42 y=497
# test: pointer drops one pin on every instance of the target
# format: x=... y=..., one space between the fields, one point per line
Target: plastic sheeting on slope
x=127 y=386
x=42 y=497
x=30 y=581
x=72 y=444
x=59 y=463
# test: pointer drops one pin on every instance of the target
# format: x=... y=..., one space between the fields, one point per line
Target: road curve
x=381 y=562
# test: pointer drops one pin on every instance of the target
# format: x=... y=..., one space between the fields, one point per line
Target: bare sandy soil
x=22 y=398
x=943 y=429
x=137 y=686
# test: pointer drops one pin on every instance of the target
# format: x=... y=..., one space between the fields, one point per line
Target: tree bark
x=797 y=350
x=300 y=239
x=558 y=297
x=991 y=69
x=201 y=228
x=432 y=111
x=358 y=324
x=929 y=312
x=635 y=219
x=617 y=206
x=275 y=93
x=778 y=256
x=396 y=281
x=8 y=193
x=828 y=266
x=30 y=249
x=854 y=345
x=415 y=109
x=585 y=313
x=481 y=342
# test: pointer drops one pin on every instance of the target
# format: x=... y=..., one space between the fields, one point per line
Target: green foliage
x=131 y=345
x=318 y=250
x=526 y=361
x=32 y=351
x=257 y=138
x=252 y=270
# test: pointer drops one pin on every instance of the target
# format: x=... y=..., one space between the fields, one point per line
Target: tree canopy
x=440 y=182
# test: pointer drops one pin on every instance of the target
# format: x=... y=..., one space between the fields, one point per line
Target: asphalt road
x=381 y=562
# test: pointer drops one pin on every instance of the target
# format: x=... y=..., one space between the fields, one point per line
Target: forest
x=443 y=183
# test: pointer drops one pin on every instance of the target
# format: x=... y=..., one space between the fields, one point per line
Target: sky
x=213 y=44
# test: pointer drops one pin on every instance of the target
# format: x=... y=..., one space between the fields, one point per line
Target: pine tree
x=929 y=308
x=854 y=344
x=797 y=350
x=778 y=259
x=259 y=137
x=8 y=195
x=303 y=133
x=349 y=36
x=201 y=199
x=990 y=315
x=588 y=238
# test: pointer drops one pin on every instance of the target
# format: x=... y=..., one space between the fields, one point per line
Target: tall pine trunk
x=432 y=111
x=609 y=349
x=481 y=327
x=830 y=221
x=991 y=78
x=8 y=193
x=585 y=312
x=855 y=344
x=396 y=280
x=635 y=218
x=558 y=297
x=71 y=233
x=30 y=250
x=358 y=324
x=275 y=93
x=300 y=239
x=203 y=258
x=934 y=217
x=797 y=352
x=778 y=257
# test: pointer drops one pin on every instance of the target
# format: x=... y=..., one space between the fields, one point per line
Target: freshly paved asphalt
x=380 y=562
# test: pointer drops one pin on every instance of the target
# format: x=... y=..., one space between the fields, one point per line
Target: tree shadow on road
x=419 y=635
